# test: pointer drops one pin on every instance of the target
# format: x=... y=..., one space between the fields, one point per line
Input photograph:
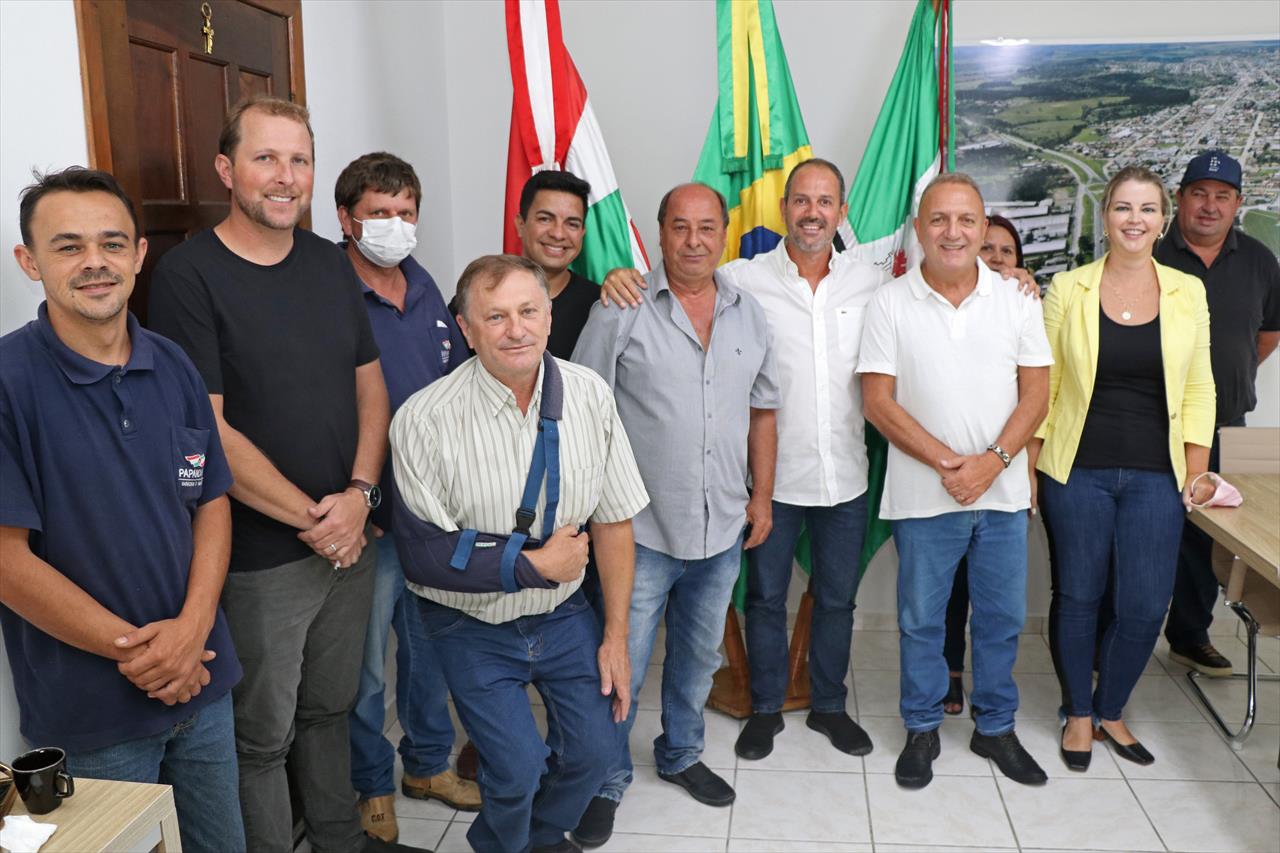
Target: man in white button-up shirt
x=955 y=374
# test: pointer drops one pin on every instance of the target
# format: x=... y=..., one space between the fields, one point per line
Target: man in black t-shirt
x=1242 y=283
x=551 y=224
x=273 y=318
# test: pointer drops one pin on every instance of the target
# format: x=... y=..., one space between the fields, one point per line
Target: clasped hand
x=166 y=659
x=338 y=533
x=967 y=478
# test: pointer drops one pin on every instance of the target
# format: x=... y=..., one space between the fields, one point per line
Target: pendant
x=1125 y=315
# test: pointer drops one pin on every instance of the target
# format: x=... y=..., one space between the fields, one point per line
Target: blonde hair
x=1141 y=175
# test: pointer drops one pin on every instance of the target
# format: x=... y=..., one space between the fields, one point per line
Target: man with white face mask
x=377 y=197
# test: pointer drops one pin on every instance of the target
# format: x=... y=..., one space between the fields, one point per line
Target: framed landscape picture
x=1041 y=126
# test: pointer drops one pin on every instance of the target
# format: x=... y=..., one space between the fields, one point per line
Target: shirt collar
x=86 y=371
x=784 y=264
x=497 y=395
x=920 y=288
x=1180 y=242
x=726 y=292
x=415 y=280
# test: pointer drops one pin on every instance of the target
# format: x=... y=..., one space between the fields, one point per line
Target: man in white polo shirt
x=955 y=374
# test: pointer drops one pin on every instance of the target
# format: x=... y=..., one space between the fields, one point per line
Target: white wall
x=429 y=81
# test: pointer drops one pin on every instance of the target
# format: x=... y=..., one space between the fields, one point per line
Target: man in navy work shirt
x=273 y=319
x=1242 y=283
x=377 y=197
x=114 y=527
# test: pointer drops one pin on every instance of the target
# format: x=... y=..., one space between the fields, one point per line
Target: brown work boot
x=446 y=787
x=378 y=817
x=469 y=762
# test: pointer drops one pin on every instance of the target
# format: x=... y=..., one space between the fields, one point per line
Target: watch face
x=373 y=497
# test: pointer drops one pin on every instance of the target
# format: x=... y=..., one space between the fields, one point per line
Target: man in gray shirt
x=697 y=391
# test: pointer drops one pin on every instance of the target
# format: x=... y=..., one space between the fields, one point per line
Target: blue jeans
x=198 y=758
x=995 y=544
x=1137 y=516
x=532 y=794
x=694 y=595
x=836 y=535
x=422 y=699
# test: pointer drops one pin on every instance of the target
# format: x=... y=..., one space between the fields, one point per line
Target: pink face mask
x=1224 y=494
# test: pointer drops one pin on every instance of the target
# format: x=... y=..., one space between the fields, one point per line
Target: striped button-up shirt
x=461 y=449
x=687 y=409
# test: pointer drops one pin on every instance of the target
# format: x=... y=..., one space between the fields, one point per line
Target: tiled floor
x=1200 y=795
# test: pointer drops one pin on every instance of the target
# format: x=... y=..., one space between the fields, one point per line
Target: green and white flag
x=913 y=139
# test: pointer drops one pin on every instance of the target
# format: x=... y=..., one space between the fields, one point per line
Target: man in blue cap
x=1242 y=282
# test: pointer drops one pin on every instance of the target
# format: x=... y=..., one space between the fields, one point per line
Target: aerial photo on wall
x=1041 y=126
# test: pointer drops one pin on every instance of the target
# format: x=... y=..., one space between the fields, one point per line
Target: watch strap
x=1000 y=453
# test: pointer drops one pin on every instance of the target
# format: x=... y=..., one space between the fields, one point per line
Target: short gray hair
x=489 y=271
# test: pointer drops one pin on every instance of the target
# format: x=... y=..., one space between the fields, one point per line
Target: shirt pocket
x=849 y=332
x=190 y=444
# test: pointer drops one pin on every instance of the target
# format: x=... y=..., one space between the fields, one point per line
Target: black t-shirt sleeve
x=181 y=310
x=366 y=346
x=1271 y=298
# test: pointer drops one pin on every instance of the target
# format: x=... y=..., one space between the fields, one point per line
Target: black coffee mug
x=42 y=779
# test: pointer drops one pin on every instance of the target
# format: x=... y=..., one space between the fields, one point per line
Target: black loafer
x=756 y=740
x=1007 y=752
x=915 y=765
x=844 y=734
x=595 y=827
x=1077 y=760
x=1135 y=752
x=702 y=784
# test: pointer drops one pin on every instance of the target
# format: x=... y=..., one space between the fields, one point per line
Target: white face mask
x=387 y=242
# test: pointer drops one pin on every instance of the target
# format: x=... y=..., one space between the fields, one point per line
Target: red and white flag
x=554 y=127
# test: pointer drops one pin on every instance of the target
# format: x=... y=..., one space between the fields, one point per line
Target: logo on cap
x=1213 y=164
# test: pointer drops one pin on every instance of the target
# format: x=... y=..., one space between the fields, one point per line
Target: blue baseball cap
x=1213 y=166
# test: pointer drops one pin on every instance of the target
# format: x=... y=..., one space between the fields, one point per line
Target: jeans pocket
x=438 y=620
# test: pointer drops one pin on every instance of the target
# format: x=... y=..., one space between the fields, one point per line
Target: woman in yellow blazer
x=1131 y=418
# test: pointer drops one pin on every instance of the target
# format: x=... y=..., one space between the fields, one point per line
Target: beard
x=257 y=212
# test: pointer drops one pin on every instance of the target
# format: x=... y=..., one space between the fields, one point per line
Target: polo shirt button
x=126 y=423
x=116 y=380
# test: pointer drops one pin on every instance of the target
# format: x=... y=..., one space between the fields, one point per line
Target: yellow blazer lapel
x=1090 y=305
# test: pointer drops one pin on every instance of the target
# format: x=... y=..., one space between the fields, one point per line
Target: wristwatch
x=999 y=451
x=373 y=495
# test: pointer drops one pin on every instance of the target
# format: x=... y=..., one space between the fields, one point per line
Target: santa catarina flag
x=554 y=127
x=912 y=140
x=757 y=135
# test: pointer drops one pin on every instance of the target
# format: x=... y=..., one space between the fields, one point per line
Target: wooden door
x=156 y=92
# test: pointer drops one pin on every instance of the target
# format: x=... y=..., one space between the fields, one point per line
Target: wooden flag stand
x=731 y=688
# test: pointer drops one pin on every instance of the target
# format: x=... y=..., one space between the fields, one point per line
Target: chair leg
x=1251 y=676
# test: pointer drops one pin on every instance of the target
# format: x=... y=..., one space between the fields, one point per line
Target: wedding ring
x=332 y=547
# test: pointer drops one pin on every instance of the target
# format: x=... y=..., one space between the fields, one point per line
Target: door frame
x=102 y=31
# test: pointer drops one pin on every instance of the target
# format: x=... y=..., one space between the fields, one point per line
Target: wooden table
x=116 y=816
x=1251 y=531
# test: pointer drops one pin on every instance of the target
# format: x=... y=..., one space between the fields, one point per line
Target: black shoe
x=596 y=824
x=1135 y=752
x=915 y=765
x=955 y=696
x=756 y=740
x=564 y=845
x=1077 y=760
x=1203 y=658
x=1008 y=754
x=377 y=845
x=844 y=734
x=702 y=784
